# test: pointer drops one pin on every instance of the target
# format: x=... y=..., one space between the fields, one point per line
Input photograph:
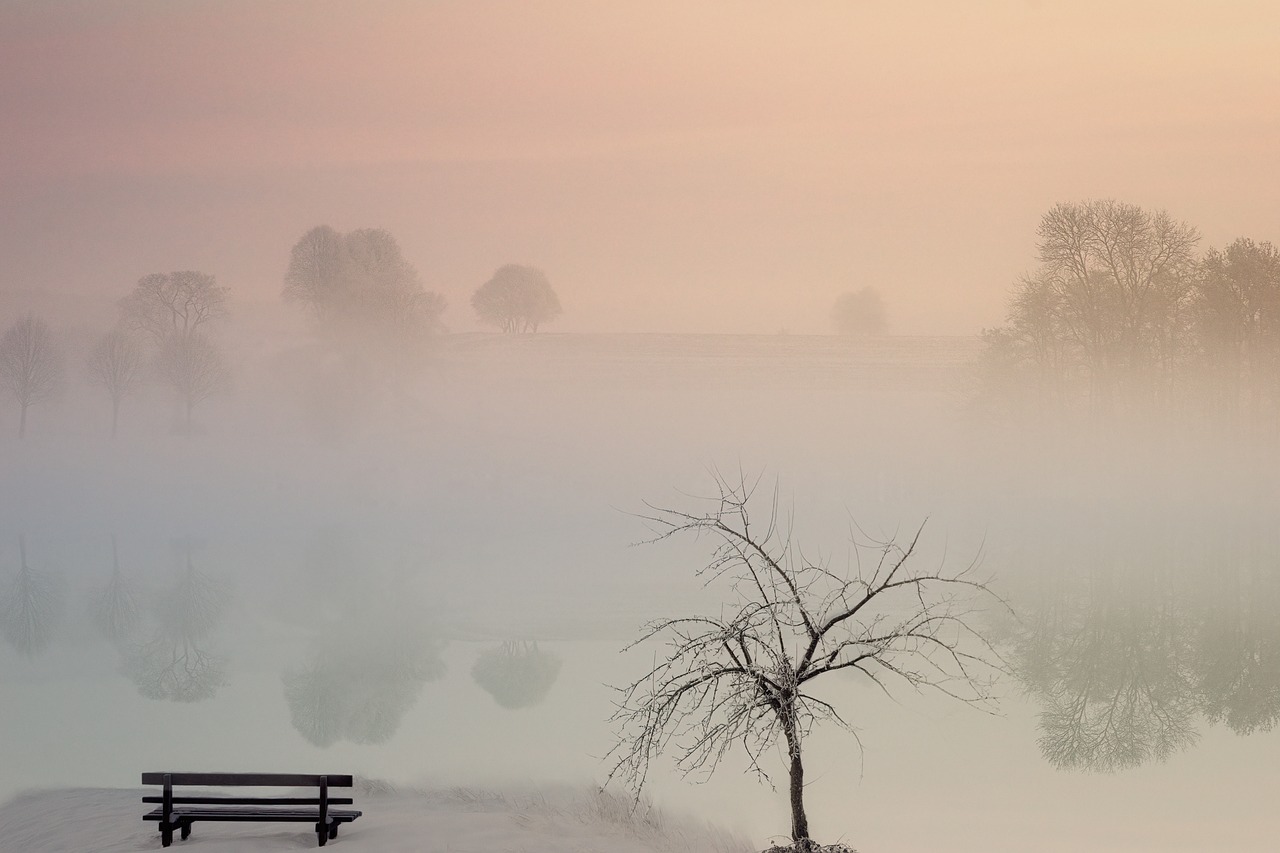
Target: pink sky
x=691 y=166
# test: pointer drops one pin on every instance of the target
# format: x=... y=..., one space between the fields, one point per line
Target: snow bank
x=456 y=820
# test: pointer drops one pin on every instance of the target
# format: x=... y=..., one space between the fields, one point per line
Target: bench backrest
x=256 y=780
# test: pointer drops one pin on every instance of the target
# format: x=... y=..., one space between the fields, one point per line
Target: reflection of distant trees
x=360 y=680
x=175 y=664
x=1238 y=658
x=29 y=607
x=1129 y=657
x=371 y=652
x=516 y=675
x=174 y=668
x=1113 y=678
x=114 y=607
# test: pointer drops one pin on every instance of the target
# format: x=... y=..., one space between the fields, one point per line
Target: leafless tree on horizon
x=194 y=368
x=116 y=364
x=181 y=303
x=30 y=364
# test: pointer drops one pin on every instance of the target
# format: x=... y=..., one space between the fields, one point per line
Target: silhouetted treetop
x=360 y=283
x=116 y=364
x=30 y=364
x=173 y=303
x=516 y=299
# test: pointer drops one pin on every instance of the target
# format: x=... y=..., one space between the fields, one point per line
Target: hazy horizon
x=673 y=167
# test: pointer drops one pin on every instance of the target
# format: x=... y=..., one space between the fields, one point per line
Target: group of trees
x=1122 y=310
x=359 y=287
x=172 y=312
x=161 y=333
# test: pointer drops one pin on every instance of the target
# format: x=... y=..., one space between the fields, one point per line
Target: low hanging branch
x=745 y=679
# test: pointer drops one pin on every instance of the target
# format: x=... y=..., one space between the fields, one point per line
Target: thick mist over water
x=432 y=581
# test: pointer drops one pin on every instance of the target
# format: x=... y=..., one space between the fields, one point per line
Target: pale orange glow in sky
x=689 y=166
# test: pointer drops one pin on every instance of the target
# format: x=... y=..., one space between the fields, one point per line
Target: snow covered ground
x=109 y=820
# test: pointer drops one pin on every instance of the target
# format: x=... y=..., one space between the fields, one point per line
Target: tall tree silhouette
x=30 y=365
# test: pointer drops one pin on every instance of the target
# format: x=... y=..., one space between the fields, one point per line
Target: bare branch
x=736 y=681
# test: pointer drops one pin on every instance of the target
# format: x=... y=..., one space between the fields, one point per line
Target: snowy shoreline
x=554 y=819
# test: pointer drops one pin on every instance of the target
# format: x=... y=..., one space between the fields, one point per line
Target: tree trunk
x=799 y=820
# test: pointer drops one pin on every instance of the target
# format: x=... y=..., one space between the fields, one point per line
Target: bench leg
x=333 y=829
x=186 y=830
x=322 y=834
x=166 y=834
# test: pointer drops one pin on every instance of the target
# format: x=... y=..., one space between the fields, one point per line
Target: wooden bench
x=180 y=812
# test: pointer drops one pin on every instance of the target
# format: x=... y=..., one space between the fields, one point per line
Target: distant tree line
x=160 y=334
x=362 y=293
x=358 y=285
x=1123 y=312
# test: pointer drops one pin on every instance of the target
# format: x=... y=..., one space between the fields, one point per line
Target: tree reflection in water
x=1131 y=654
x=360 y=680
x=175 y=664
x=114 y=607
x=29 y=607
x=516 y=675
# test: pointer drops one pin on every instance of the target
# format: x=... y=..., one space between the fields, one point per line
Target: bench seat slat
x=246 y=814
x=253 y=801
x=263 y=780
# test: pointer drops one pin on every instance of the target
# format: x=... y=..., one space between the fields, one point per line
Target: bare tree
x=1121 y=276
x=116 y=364
x=163 y=305
x=746 y=678
x=1237 y=307
x=194 y=368
x=516 y=299
x=30 y=364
